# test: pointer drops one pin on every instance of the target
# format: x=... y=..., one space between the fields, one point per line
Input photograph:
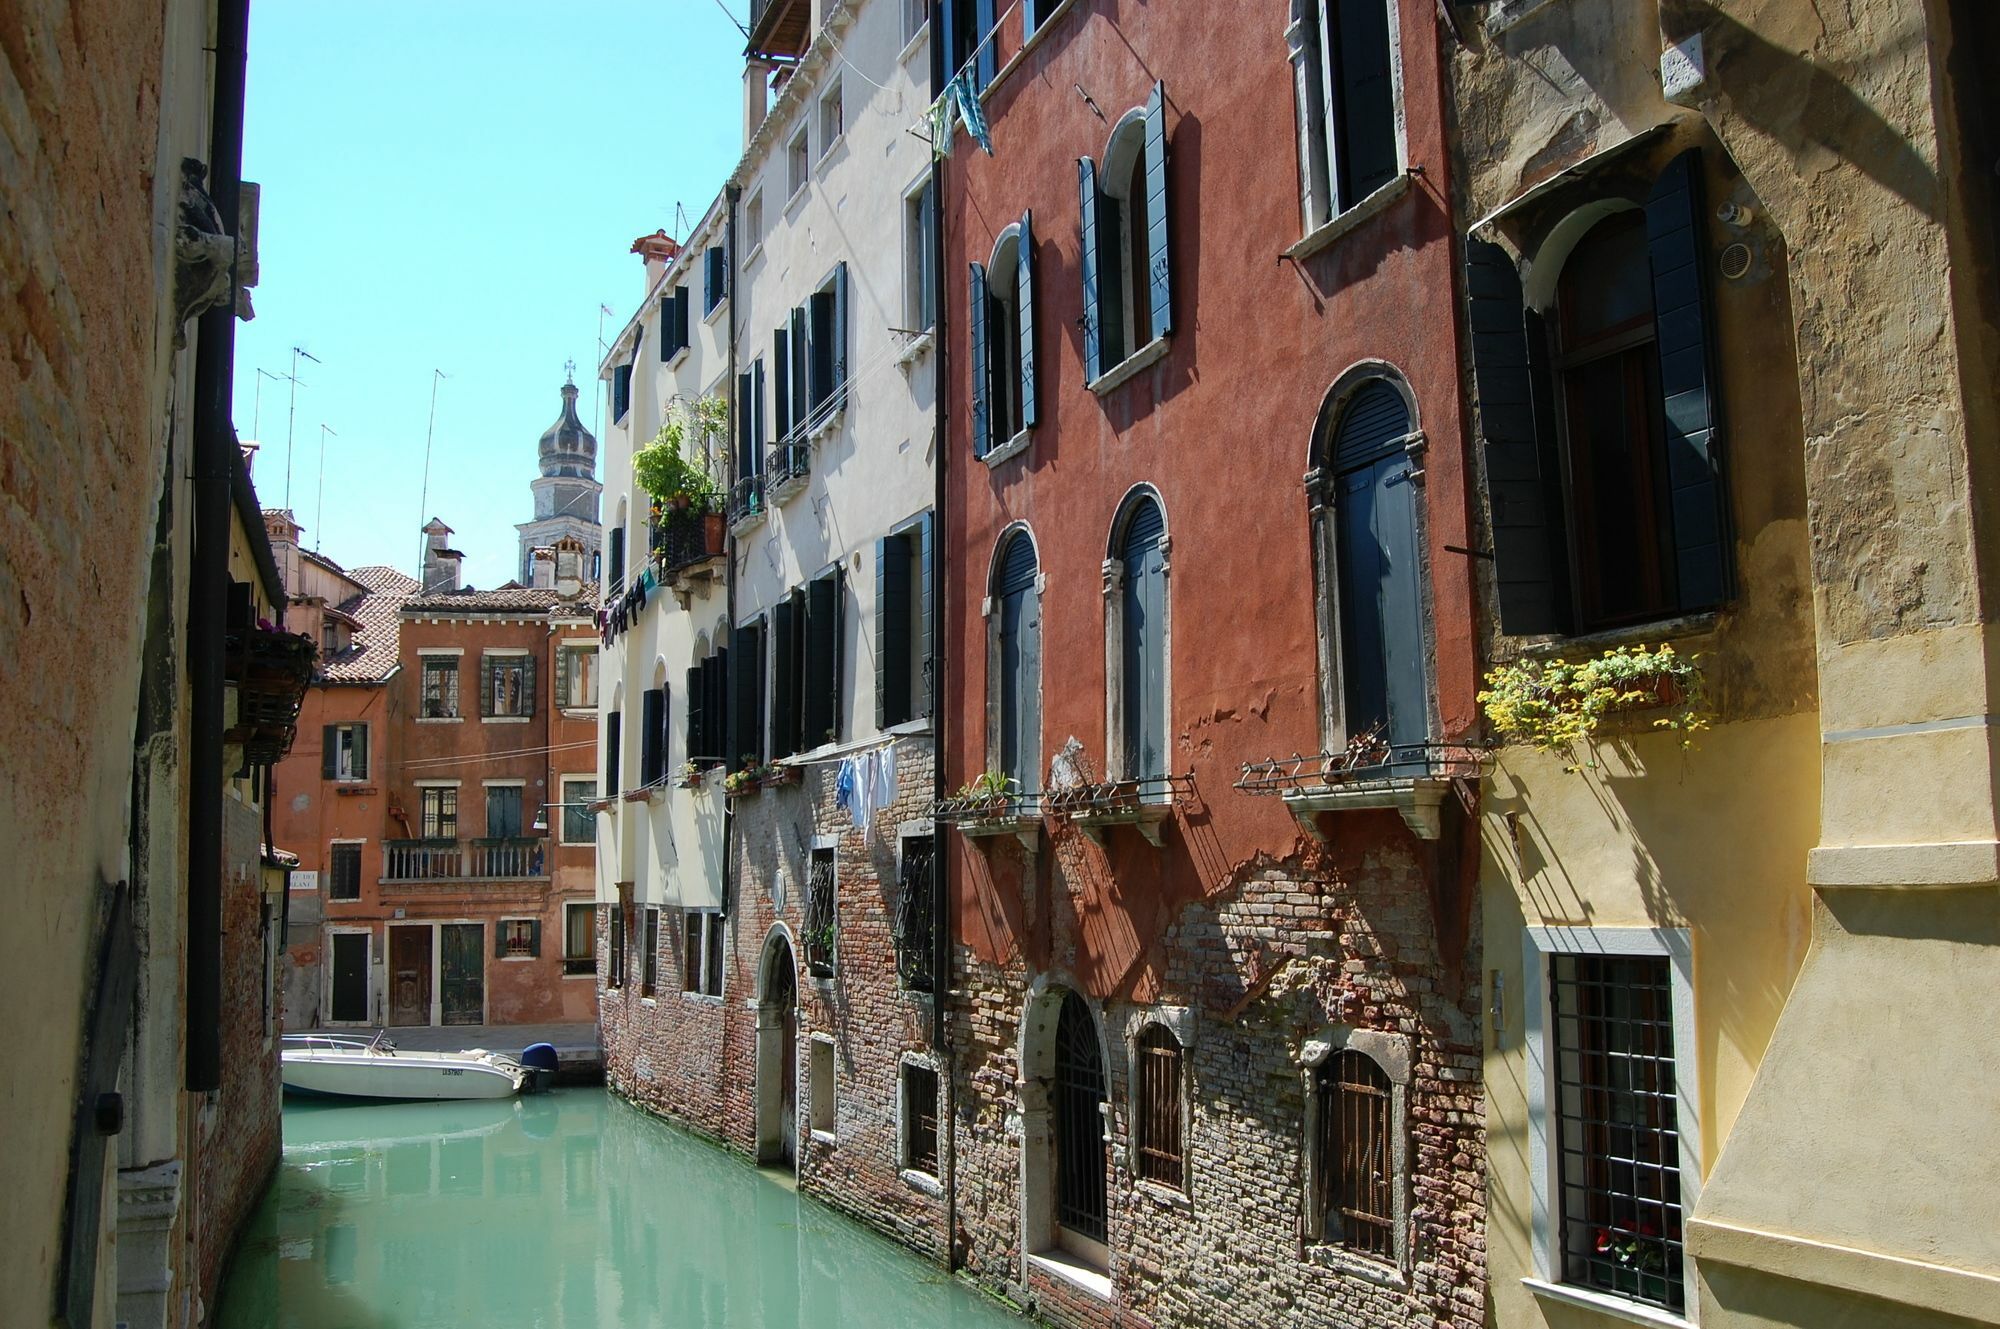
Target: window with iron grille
x=440 y=687
x=518 y=938
x=916 y=914
x=1157 y=1127
x=1356 y=1157
x=1617 y=1139
x=580 y=938
x=440 y=812
x=701 y=952
x=822 y=929
x=649 y=955
x=615 y=945
x=920 y=1118
x=508 y=688
x=344 y=872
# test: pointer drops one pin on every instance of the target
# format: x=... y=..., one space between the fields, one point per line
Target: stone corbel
x=1114 y=577
x=205 y=255
x=1414 y=448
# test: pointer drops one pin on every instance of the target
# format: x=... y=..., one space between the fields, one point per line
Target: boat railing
x=378 y=1042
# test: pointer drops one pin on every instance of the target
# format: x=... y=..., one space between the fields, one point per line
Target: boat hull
x=398 y=1075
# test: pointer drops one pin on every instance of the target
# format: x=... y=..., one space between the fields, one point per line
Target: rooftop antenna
x=319 y=501
x=424 y=494
x=257 y=407
x=291 y=416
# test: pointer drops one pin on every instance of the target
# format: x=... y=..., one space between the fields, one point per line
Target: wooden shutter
x=617 y=578
x=500 y=939
x=1364 y=100
x=820 y=336
x=1683 y=327
x=535 y=937
x=822 y=660
x=329 y=758
x=927 y=628
x=697 y=741
x=527 y=685
x=621 y=391
x=758 y=436
x=840 y=331
x=784 y=682
x=988 y=56
x=652 y=708
x=1160 y=276
x=781 y=358
x=801 y=388
x=488 y=669
x=892 y=629
x=746 y=685
x=666 y=327
x=1093 y=330
x=360 y=752
x=1025 y=301
x=681 y=319
x=563 y=654
x=715 y=697
x=745 y=388
x=1531 y=562
x=612 y=724
x=982 y=395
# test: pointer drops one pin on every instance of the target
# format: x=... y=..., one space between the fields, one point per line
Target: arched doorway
x=777 y=1112
x=1064 y=1162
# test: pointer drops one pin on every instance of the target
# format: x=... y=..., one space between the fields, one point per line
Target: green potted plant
x=986 y=794
x=1558 y=706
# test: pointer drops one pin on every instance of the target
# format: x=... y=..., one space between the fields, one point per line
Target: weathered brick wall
x=695 y=1060
x=1334 y=940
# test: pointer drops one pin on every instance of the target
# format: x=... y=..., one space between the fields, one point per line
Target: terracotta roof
x=371 y=653
x=506 y=600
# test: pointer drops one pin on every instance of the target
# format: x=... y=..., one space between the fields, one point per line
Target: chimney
x=658 y=250
x=568 y=566
x=441 y=562
x=756 y=97
x=542 y=570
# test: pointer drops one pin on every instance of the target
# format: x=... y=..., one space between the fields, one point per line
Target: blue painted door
x=1381 y=606
x=1145 y=624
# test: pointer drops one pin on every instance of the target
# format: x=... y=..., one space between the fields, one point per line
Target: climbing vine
x=1558 y=705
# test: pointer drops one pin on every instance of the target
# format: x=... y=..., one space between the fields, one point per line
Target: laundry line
x=835 y=755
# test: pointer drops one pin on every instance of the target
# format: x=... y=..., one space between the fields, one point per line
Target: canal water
x=568 y=1210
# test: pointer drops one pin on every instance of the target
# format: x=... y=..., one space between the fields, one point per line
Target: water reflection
x=567 y=1211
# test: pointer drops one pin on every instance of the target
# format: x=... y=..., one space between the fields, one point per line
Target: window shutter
x=926 y=546
x=982 y=410
x=561 y=698
x=840 y=333
x=621 y=391
x=715 y=698
x=652 y=706
x=801 y=387
x=617 y=578
x=892 y=628
x=839 y=638
x=361 y=752
x=1093 y=332
x=820 y=336
x=666 y=327
x=784 y=718
x=1156 y=214
x=681 y=320
x=697 y=745
x=822 y=648
x=758 y=434
x=988 y=61
x=612 y=724
x=781 y=358
x=1364 y=101
x=746 y=686
x=528 y=685
x=1683 y=328
x=1025 y=299
x=1530 y=561
x=487 y=670
x=745 y=406
x=535 y=937
x=329 y=752
x=500 y=939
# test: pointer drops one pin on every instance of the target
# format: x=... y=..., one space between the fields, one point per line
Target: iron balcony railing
x=511 y=859
x=746 y=500
x=687 y=538
x=1366 y=760
x=786 y=468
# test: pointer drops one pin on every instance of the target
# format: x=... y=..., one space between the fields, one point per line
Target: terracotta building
x=1216 y=1057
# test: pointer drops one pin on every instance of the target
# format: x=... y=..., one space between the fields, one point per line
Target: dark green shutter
x=744 y=408
x=801 y=357
x=982 y=409
x=535 y=937
x=697 y=745
x=329 y=760
x=682 y=323
x=1093 y=330
x=759 y=433
x=1682 y=322
x=612 y=724
x=500 y=939
x=666 y=326
x=820 y=337
x=1160 y=276
x=715 y=697
x=528 y=684
x=1364 y=113
x=893 y=557
x=784 y=717
x=361 y=752
x=781 y=359
x=616 y=580
x=927 y=629
x=746 y=686
x=822 y=651
x=487 y=669
x=840 y=329
x=652 y=710
x=1025 y=299
x=1531 y=562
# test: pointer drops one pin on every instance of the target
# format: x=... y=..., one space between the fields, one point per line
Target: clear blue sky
x=451 y=185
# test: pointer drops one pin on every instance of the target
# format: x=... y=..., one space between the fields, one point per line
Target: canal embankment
x=579 y=1053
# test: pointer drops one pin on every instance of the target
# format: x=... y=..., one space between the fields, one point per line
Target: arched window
x=1142 y=642
x=1370 y=494
x=1002 y=318
x=1126 y=268
x=1016 y=663
x=1355 y=1191
x=1157 y=1123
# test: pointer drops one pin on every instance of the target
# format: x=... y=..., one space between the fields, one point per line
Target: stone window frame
x=421 y=786
x=563 y=783
x=501 y=924
x=916 y=265
x=513 y=658
x=360 y=850
x=1038 y=1239
x=1178 y=1021
x=1391 y=1053
x=919 y=829
x=831 y=132
x=928 y=1183
x=1114 y=632
x=1314 y=235
x=441 y=656
x=1538 y=944
x=820 y=1109
x=989 y=609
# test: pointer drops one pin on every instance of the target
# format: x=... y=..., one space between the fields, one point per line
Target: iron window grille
x=701 y=953
x=821 y=926
x=1161 y=1154
x=518 y=937
x=440 y=700
x=1618 y=1139
x=1356 y=1161
x=916 y=933
x=1081 y=1204
x=649 y=955
x=440 y=814
x=615 y=978
x=920 y=1118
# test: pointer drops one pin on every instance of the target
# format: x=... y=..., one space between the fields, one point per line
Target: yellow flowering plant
x=1558 y=705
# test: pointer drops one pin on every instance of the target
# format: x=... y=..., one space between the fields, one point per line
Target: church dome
x=568 y=449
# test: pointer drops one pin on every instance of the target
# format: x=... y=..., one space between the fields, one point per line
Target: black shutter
x=487 y=669
x=621 y=391
x=1093 y=322
x=535 y=937
x=1159 y=279
x=840 y=329
x=715 y=698
x=612 y=723
x=758 y=431
x=822 y=652
x=667 y=347
x=1364 y=102
x=1025 y=303
x=329 y=752
x=893 y=557
x=652 y=707
x=617 y=578
x=1531 y=563
x=820 y=335
x=745 y=407
x=801 y=389
x=927 y=628
x=784 y=718
x=500 y=939
x=697 y=746
x=781 y=359
x=982 y=396
x=1683 y=326
x=746 y=685
x=681 y=320
x=361 y=752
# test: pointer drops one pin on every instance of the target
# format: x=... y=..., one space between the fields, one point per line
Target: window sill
x=797 y=200
x=918 y=41
x=1335 y=227
x=754 y=253
x=505 y=719
x=1357 y=1266
x=645 y=1000
x=1125 y=370
x=1163 y=1195
x=711 y=315
x=1659 y=630
x=568 y=977
x=829 y=423
x=1009 y=450
x=922 y=1181
x=1630 y=1311
x=354 y=790
x=1063 y=1265
x=1509 y=12
x=827 y=152
x=826 y=1138
x=701 y=998
x=916 y=348
x=579 y=712
x=439 y=719
x=674 y=361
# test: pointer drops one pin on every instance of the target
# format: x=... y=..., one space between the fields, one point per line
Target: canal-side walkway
x=567 y=1209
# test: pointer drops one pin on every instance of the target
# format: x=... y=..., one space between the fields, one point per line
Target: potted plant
x=986 y=794
x=690 y=775
x=1559 y=705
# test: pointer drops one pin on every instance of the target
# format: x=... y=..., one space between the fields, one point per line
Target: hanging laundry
x=885 y=776
x=864 y=790
x=844 y=787
x=967 y=97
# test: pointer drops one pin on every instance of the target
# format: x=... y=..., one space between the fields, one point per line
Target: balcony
x=513 y=859
x=787 y=467
x=689 y=543
x=779 y=29
x=746 y=503
x=1412 y=778
x=1145 y=804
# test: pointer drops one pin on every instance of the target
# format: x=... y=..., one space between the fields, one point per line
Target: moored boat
x=337 y=1066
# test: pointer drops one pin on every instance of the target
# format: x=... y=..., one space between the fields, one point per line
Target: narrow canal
x=569 y=1210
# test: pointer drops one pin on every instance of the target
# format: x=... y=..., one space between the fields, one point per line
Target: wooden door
x=350 y=978
x=410 y=975
x=463 y=973
x=784 y=995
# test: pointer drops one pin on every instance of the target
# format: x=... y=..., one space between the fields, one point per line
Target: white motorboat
x=335 y=1066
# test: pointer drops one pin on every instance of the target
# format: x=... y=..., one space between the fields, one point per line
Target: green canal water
x=568 y=1210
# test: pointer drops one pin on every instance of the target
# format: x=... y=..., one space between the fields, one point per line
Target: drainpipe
x=731 y=266
x=941 y=976
x=208 y=591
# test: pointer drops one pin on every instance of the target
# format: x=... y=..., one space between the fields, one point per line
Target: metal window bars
x=916 y=921
x=1618 y=1140
x=1355 y=1172
x=821 y=927
x=787 y=467
x=1158 y=1125
x=920 y=1118
x=746 y=500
